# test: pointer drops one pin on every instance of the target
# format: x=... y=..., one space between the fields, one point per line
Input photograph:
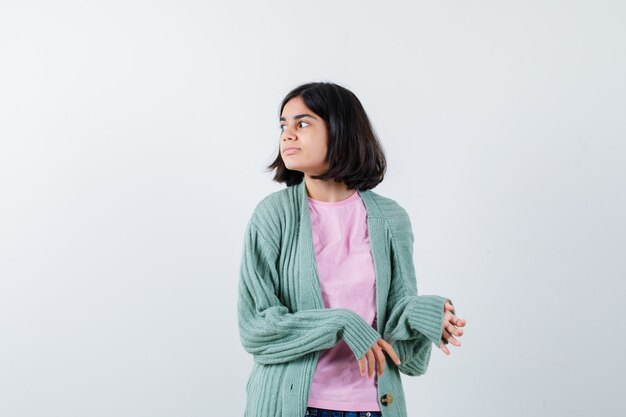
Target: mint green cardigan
x=282 y=319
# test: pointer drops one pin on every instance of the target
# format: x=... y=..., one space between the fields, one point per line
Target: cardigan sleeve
x=273 y=334
x=414 y=322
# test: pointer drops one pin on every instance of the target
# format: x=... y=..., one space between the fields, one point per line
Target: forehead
x=297 y=109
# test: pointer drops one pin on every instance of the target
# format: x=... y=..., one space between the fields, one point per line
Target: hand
x=376 y=353
x=450 y=323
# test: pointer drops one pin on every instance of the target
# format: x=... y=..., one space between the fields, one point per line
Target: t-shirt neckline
x=345 y=201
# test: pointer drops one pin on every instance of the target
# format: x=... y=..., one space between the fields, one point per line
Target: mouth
x=289 y=151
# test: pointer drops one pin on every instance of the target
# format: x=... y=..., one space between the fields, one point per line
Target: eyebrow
x=299 y=116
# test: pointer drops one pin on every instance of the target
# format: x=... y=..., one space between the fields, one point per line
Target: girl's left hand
x=450 y=324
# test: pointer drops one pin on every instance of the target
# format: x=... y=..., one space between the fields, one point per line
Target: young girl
x=327 y=289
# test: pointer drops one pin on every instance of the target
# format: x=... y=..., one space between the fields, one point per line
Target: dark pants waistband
x=322 y=412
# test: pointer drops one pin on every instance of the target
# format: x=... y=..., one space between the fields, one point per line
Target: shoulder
x=272 y=211
x=395 y=215
x=390 y=209
x=272 y=206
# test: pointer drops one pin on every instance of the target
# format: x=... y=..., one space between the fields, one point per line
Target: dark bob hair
x=355 y=156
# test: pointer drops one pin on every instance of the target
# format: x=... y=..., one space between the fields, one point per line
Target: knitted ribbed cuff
x=418 y=364
x=426 y=316
x=358 y=335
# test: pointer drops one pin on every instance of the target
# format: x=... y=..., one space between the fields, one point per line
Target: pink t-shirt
x=347 y=279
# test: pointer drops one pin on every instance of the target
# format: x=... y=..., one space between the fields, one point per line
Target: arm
x=273 y=334
x=414 y=321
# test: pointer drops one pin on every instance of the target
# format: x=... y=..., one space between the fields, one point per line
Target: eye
x=281 y=127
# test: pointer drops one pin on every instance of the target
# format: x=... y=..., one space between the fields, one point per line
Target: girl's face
x=307 y=133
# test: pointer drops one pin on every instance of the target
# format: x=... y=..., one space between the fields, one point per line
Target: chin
x=293 y=167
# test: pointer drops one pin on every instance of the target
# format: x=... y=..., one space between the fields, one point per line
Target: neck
x=326 y=190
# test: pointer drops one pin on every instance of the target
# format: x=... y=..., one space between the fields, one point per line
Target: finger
x=453 y=330
x=449 y=306
x=445 y=334
x=380 y=356
x=448 y=337
x=443 y=347
x=449 y=328
x=371 y=363
x=389 y=349
x=362 y=363
x=457 y=321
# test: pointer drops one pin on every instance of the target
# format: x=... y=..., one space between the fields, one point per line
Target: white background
x=133 y=141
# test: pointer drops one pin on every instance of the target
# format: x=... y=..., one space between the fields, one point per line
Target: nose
x=287 y=134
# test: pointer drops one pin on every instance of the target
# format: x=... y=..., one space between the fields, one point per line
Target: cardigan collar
x=377 y=231
x=373 y=211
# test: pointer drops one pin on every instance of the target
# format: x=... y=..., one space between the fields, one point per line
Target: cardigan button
x=386 y=399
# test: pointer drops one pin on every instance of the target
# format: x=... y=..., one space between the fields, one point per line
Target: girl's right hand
x=375 y=353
